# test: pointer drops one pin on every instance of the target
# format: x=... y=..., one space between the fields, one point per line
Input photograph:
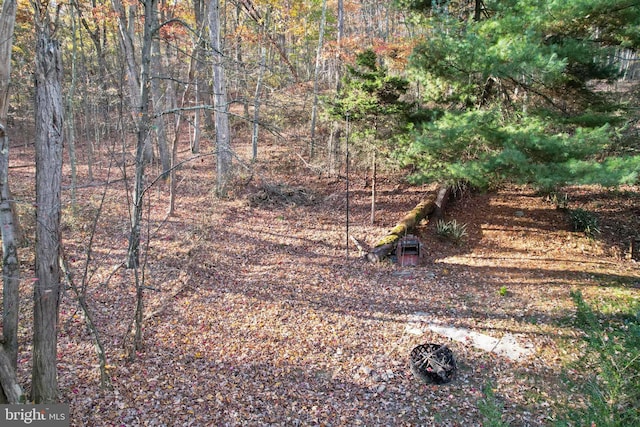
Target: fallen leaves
x=255 y=317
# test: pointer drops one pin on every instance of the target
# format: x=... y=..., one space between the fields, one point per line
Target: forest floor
x=255 y=316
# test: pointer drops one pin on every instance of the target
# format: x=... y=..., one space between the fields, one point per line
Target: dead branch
x=105 y=381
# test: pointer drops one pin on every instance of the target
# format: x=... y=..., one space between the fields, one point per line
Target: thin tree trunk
x=334 y=148
x=158 y=105
x=98 y=36
x=339 y=38
x=172 y=172
x=374 y=178
x=197 y=127
x=133 y=258
x=477 y=13
x=46 y=295
x=241 y=66
x=256 y=104
x=139 y=315
x=200 y=117
x=91 y=142
x=223 y=148
x=336 y=130
x=126 y=41
x=126 y=31
x=7 y=25
x=257 y=100
x=316 y=77
x=174 y=149
x=133 y=253
x=70 y=122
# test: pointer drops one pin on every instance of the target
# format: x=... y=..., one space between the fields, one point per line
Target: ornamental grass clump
x=584 y=221
x=451 y=230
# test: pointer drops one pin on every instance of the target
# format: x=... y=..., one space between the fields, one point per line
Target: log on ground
x=432 y=205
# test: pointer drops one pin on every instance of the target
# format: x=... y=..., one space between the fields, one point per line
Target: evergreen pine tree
x=511 y=94
x=372 y=100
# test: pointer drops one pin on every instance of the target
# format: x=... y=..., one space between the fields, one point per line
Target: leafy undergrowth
x=255 y=315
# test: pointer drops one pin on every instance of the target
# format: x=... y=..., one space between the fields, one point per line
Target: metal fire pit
x=433 y=363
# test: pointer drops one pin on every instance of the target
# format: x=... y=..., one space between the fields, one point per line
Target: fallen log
x=434 y=205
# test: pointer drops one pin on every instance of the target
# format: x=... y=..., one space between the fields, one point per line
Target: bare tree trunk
x=133 y=255
x=139 y=315
x=336 y=131
x=199 y=79
x=12 y=392
x=223 y=146
x=477 y=13
x=374 y=178
x=242 y=84
x=126 y=31
x=174 y=146
x=203 y=85
x=339 y=43
x=143 y=124
x=172 y=171
x=10 y=264
x=46 y=294
x=97 y=33
x=316 y=77
x=7 y=25
x=126 y=41
x=158 y=104
x=197 y=126
x=256 y=104
x=70 y=122
x=334 y=148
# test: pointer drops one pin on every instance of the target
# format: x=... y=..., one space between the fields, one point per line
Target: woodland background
x=177 y=178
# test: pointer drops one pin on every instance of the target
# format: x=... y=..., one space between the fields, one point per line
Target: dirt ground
x=256 y=316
